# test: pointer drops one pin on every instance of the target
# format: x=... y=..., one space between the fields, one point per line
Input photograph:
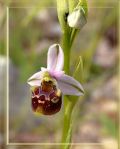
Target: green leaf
x=72 y=5
x=83 y=3
x=78 y=73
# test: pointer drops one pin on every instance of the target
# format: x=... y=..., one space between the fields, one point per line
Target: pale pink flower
x=50 y=83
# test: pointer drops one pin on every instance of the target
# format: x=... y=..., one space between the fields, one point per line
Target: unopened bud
x=77 y=18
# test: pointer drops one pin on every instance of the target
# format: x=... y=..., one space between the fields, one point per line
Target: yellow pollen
x=58 y=93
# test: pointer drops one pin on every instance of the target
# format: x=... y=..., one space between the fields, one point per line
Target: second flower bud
x=77 y=18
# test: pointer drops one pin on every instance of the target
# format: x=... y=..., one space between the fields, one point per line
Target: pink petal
x=35 y=79
x=69 y=86
x=55 y=59
x=56 y=74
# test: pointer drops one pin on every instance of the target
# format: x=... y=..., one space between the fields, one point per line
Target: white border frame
x=7 y=103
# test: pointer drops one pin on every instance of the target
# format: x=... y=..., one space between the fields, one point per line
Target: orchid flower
x=49 y=84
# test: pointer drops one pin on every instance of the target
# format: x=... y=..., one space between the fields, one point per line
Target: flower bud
x=77 y=18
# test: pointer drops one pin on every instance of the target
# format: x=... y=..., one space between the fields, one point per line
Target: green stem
x=74 y=33
x=65 y=7
x=67 y=124
x=67 y=41
x=68 y=105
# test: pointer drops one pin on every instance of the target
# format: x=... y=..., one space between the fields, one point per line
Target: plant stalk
x=68 y=105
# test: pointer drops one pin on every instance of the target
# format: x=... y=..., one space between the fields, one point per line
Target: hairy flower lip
x=55 y=60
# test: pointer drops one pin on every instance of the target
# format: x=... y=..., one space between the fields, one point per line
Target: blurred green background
x=33 y=27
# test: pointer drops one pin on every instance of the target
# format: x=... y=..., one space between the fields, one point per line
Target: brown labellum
x=46 y=99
